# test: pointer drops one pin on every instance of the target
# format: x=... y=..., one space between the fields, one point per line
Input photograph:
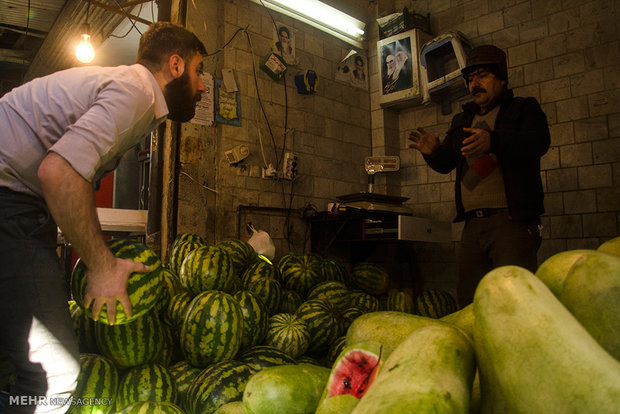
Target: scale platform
x=374 y=202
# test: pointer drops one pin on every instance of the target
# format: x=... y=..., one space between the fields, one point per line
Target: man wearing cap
x=495 y=144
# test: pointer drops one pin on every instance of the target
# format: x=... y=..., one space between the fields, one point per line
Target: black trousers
x=490 y=242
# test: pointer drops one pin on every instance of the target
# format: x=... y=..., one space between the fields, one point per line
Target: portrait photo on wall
x=283 y=42
x=353 y=70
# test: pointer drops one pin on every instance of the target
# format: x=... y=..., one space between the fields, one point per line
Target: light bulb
x=84 y=50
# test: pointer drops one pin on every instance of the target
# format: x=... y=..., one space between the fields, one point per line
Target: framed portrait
x=399 y=68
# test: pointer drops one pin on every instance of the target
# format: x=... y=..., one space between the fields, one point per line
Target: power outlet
x=289 y=166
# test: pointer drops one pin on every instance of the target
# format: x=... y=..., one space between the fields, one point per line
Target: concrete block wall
x=566 y=54
x=329 y=131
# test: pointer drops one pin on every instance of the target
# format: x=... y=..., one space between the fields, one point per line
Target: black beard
x=180 y=100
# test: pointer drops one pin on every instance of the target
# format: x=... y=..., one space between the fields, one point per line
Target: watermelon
x=217 y=385
x=260 y=269
x=331 y=291
x=354 y=370
x=323 y=323
x=96 y=383
x=332 y=269
x=170 y=287
x=207 y=268
x=255 y=318
x=177 y=308
x=144 y=289
x=235 y=407
x=183 y=374
x=135 y=343
x=285 y=389
x=351 y=314
x=186 y=237
x=262 y=356
x=371 y=278
x=363 y=301
x=212 y=329
x=288 y=333
x=435 y=303
x=84 y=328
x=269 y=291
x=400 y=302
x=289 y=301
x=302 y=273
x=179 y=251
x=336 y=348
x=240 y=252
x=152 y=407
x=338 y=404
x=285 y=259
x=149 y=382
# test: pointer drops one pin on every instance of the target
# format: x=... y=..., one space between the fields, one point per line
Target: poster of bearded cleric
x=398 y=65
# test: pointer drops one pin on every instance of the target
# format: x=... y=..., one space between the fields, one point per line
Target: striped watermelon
x=212 y=329
x=183 y=373
x=84 y=328
x=260 y=269
x=269 y=291
x=255 y=318
x=333 y=269
x=331 y=291
x=289 y=334
x=177 y=308
x=324 y=324
x=285 y=259
x=240 y=252
x=435 y=303
x=217 y=385
x=207 y=268
x=97 y=381
x=302 y=273
x=363 y=301
x=351 y=314
x=263 y=356
x=144 y=289
x=335 y=349
x=187 y=237
x=152 y=407
x=290 y=301
x=135 y=343
x=400 y=302
x=179 y=252
x=171 y=286
x=149 y=382
x=371 y=278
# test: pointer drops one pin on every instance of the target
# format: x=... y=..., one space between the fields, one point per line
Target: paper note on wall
x=204 y=108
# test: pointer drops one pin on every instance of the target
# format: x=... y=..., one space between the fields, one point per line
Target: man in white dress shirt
x=60 y=135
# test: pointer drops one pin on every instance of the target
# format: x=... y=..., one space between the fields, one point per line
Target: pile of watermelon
x=221 y=329
x=216 y=315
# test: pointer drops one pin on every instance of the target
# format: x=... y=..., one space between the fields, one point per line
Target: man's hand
x=423 y=141
x=109 y=285
x=478 y=143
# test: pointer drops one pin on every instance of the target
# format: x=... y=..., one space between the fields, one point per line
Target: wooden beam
x=15 y=56
x=122 y=12
x=30 y=32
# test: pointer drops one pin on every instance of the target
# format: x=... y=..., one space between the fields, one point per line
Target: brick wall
x=566 y=54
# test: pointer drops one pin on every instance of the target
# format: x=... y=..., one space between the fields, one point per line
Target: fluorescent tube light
x=321 y=16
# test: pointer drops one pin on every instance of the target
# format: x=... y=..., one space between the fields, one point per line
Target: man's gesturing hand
x=108 y=286
x=478 y=143
x=423 y=141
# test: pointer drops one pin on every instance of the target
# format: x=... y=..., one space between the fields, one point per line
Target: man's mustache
x=477 y=89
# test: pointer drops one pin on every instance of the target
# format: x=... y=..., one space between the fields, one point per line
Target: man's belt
x=483 y=212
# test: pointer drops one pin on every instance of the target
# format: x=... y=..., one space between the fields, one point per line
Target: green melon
x=144 y=289
x=217 y=385
x=96 y=386
x=207 y=268
x=288 y=333
x=212 y=329
x=400 y=302
x=149 y=382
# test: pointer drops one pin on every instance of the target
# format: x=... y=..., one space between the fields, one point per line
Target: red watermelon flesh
x=354 y=370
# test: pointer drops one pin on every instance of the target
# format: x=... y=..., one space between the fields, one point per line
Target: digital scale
x=368 y=200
